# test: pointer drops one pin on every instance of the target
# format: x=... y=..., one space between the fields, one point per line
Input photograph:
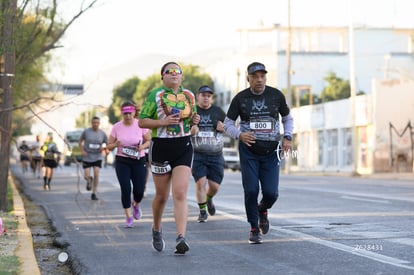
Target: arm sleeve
x=231 y=129
x=287 y=124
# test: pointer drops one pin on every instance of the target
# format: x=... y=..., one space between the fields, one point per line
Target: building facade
x=382 y=129
x=362 y=134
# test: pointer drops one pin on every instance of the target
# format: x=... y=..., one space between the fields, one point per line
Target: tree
x=144 y=87
x=193 y=79
x=337 y=88
x=28 y=34
x=136 y=89
x=85 y=118
x=120 y=94
x=7 y=72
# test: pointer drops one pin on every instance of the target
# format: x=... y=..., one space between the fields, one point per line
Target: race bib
x=205 y=134
x=94 y=146
x=131 y=152
x=160 y=168
x=261 y=125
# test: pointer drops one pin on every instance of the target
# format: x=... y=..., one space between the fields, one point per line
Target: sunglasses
x=173 y=71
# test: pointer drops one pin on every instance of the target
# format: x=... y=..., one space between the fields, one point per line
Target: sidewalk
x=25 y=250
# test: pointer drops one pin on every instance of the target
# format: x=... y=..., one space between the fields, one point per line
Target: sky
x=115 y=31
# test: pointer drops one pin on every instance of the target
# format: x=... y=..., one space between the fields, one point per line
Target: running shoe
x=182 y=246
x=94 y=197
x=202 y=217
x=255 y=237
x=136 y=211
x=89 y=184
x=263 y=222
x=129 y=222
x=157 y=241
x=211 y=207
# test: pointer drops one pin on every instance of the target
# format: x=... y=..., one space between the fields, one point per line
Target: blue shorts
x=210 y=166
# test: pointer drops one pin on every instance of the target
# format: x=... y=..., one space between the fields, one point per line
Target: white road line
x=405 y=241
x=364 y=199
x=306 y=237
x=338 y=246
x=400 y=197
x=360 y=252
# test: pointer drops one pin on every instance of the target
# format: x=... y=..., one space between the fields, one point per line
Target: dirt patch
x=44 y=236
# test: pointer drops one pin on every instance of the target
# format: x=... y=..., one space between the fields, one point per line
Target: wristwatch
x=288 y=137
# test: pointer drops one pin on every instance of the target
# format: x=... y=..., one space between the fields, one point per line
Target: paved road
x=320 y=225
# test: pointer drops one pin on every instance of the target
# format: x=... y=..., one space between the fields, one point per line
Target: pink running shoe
x=129 y=223
x=136 y=211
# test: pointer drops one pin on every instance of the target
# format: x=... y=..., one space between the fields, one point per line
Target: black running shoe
x=263 y=222
x=255 y=237
x=89 y=184
x=211 y=207
x=182 y=246
x=94 y=197
x=157 y=241
x=202 y=217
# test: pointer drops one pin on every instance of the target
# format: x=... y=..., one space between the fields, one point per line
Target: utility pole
x=288 y=60
x=352 y=83
x=288 y=76
x=7 y=70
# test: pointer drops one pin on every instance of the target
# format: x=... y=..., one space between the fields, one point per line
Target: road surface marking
x=364 y=199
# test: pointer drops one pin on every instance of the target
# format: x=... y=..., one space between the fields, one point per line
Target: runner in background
x=36 y=158
x=51 y=157
x=208 y=162
x=130 y=142
x=92 y=144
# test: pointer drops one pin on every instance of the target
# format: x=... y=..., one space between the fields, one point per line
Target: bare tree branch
x=52 y=45
x=28 y=56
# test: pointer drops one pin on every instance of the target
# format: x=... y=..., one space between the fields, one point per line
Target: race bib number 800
x=261 y=125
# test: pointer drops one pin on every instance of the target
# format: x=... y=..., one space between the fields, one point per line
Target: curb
x=24 y=251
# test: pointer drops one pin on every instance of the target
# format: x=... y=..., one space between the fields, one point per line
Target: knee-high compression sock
x=202 y=205
x=208 y=197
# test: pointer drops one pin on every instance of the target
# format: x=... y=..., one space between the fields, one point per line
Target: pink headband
x=128 y=109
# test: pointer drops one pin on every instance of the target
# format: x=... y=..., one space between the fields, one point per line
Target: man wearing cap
x=208 y=162
x=258 y=108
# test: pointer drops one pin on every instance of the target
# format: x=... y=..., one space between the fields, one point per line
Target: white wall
x=394 y=103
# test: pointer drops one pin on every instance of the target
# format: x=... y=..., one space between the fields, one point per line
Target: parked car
x=72 y=152
x=231 y=159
